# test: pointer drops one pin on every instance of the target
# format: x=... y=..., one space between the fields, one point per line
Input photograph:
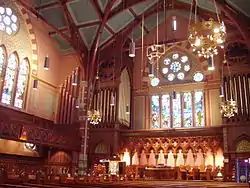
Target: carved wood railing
x=20 y=126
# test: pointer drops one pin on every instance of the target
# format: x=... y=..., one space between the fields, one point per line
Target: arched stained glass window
x=2 y=60
x=22 y=80
x=9 y=79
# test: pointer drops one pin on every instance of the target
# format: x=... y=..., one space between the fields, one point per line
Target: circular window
x=175 y=66
x=8 y=21
x=198 y=77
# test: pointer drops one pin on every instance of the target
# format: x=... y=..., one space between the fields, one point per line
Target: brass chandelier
x=94 y=117
x=228 y=107
x=206 y=37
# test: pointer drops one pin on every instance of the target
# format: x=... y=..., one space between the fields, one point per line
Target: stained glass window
x=177 y=110
x=8 y=21
x=2 y=60
x=155 y=112
x=198 y=76
x=165 y=112
x=175 y=66
x=181 y=110
x=187 y=110
x=199 y=109
x=21 y=83
x=9 y=79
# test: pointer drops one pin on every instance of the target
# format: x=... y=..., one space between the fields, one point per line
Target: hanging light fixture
x=151 y=71
x=46 y=63
x=132 y=44
x=94 y=117
x=127 y=109
x=132 y=48
x=228 y=107
x=74 y=79
x=206 y=37
x=211 y=63
x=35 y=84
x=78 y=103
x=155 y=81
x=221 y=91
x=112 y=100
x=155 y=55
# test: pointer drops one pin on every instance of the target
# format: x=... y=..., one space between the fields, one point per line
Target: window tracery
x=8 y=20
x=176 y=66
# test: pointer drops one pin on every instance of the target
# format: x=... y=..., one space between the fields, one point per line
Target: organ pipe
x=67 y=100
x=238 y=88
x=102 y=101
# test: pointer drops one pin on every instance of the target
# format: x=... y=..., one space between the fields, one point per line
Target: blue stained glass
x=9 y=79
x=165 y=111
x=175 y=66
x=199 y=109
x=21 y=84
x=177 y=111
x=155 y=112
x=187 y=110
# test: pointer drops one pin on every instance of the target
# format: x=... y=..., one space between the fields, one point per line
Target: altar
x=160 y=173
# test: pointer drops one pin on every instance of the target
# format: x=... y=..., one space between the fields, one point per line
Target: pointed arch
x=22 y=83
x=9 y=81
x=3 y=55
x=3 y=60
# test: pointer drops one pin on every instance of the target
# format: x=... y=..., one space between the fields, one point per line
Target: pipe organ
x=238 y=88
x=103 y=102
x=68 y=98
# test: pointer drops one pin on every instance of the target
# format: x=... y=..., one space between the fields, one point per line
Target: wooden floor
x=139 y=184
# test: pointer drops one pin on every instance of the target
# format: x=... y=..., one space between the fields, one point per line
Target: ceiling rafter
x=137 y=21
x=74 y=32
x=96 y=43
x=34 y=12
x=63 y=30
x=93 y=63
x=134 y=14
x=179 y=6
x=125 y=4
x=47 y=5
x=100 y=15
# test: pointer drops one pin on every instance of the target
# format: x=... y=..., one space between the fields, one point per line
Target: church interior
x=124 y=93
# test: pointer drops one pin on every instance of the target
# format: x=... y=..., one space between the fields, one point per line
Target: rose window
x=8 y=21
x=175 y=66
